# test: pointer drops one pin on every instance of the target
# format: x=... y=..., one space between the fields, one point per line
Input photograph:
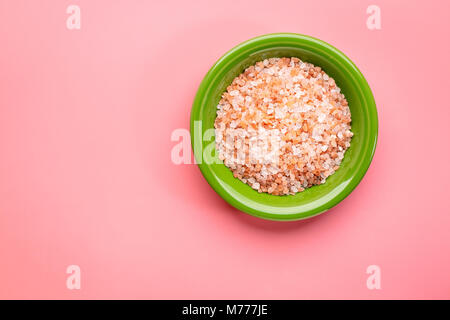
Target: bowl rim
x=316 y=44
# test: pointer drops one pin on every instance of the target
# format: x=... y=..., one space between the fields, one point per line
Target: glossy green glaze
x=356 y=161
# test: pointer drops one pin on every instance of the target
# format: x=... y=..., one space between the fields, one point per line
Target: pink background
x=86 y=176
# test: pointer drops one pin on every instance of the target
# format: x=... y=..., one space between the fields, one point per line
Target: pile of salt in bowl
x=282 y=126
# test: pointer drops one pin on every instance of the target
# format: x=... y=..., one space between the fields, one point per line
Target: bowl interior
x=357 y=158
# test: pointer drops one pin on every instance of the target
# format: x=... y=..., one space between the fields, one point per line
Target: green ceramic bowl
x=357 y=158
